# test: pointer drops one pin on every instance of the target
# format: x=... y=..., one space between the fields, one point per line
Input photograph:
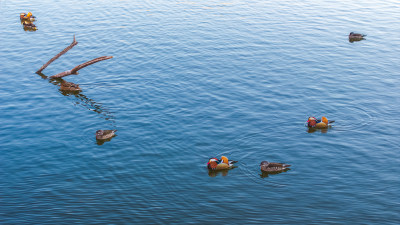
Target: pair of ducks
x=265 y=166
x=26 y=20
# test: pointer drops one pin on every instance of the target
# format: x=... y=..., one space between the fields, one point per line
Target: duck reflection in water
x=101 y=142
x=312 y=130
x=267 y=174
x=214 y=173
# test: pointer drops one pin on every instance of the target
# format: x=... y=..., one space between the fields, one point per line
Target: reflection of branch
x=91 y=105
x=83 y=100
x=81 y=66
x=74 y=42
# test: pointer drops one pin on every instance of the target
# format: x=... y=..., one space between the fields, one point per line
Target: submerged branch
x=74 y=70
x=74 y=42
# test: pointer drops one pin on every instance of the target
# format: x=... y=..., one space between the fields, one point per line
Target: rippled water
x=197 y=79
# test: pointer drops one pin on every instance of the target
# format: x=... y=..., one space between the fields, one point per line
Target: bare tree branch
x=74 y=71
x=74 y=42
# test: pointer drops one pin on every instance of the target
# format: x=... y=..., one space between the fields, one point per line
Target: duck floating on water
x=313 y=122
x=29 y=26
x=27 y=16
x=356 y=37
x=69 y=86
x=105 y=134
x=266 y=166
x=220 y=164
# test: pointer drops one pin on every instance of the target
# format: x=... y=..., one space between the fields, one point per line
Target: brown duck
x=105 y=134
x=273 y=167
x=356 y=37
x=69 y=86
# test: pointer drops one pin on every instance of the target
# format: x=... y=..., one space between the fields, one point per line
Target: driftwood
x=74 y=42
x=73 y=71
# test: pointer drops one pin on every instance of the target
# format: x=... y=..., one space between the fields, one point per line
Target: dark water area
x=190 y=80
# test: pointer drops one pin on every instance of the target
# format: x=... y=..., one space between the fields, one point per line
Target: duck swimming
x=29 y=16
x=266 y=166
x=356 y=37
x=105 y=134
x=222 y=164
x=68 y=86
x=313 y=122
x=29 y=26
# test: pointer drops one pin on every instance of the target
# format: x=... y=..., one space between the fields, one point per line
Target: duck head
x=99 y=133
x=264 y=163
x=212 y=163
x=311 y=122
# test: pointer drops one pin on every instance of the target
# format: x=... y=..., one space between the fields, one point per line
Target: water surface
x=197 y=79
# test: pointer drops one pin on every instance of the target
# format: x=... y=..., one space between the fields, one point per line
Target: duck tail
x=286 y=165
x=331 y=121
x=232 y=162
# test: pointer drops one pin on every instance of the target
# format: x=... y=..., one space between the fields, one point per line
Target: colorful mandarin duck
x=29 y=16
x=266 y=166
x=313 y=122
x=222 y=164
x=26 y=21
x=105 y=134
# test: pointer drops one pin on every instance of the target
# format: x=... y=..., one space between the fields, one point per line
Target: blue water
x=192 y=80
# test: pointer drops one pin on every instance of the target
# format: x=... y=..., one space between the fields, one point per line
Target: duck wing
x=223 y=166
x=106 y=132
x=278 y=165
